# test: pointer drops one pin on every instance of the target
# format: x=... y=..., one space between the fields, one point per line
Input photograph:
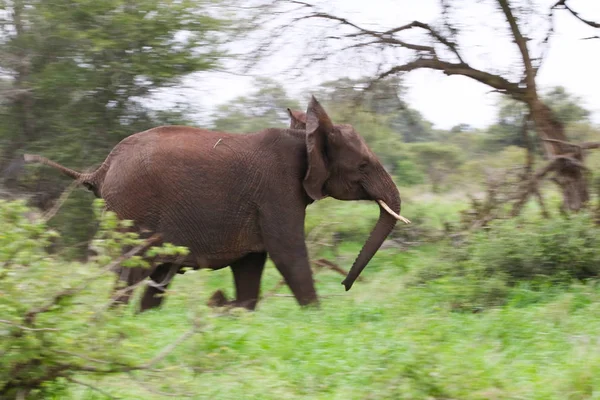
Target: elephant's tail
x=85 y=179
x=34 y=158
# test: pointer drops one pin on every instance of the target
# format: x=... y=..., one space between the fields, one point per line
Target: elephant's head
x=341 y=165
x=297 y=119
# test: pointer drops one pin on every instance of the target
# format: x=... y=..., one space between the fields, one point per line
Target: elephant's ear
x=318 y=128
x=297 y=119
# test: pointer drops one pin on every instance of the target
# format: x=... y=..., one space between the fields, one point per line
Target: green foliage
x=527 y=254
x=387 y=338
x=373 y=128
x=55 y=318
x=508 y=129
x=578 y=132
x=384 y=98
x=437 y=160
x=264 y=108
x=83 y=74
x=329 y=218
x=408 y=173
x=477 y=170
x=380 y=340
x=566 y=106
x=103 y=58
x=471 y=142
x=561 y=249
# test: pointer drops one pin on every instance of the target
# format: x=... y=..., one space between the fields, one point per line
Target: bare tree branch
x=90 y=359
x=499 y=83
x=563 y=4
x=387 y=36
x=48 y=215
x=428 y=58
x=522 y=44
x=570 y=158
x=546 y=169
x=155 y=391
x=432 y=32
x=584 y=145
x=382 y=37
x=89 y=385
x=546 y=42
x=590 y=145
x=440 y=55
x=25 y=328
x=562 y=142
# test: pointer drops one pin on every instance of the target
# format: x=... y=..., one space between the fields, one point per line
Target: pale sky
x=445 y=101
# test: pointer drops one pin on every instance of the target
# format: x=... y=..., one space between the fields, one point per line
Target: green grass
x=393 y=336
x=381 y=340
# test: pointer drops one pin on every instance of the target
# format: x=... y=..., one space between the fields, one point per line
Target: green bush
x=560 y=249
x=408 y=173
x=513 y=257
x=438 y=161
x=56 y=323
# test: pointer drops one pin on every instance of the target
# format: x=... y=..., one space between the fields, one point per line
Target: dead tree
x=439 y=50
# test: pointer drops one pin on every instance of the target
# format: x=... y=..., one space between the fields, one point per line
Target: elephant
x=152 y=295
x=234 y=199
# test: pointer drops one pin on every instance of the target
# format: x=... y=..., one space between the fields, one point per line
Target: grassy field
x=384 y=339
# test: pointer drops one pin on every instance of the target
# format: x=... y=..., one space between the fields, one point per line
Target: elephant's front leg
x=283 y=234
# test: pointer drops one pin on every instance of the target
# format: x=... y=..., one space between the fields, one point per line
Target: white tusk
x=392 y=213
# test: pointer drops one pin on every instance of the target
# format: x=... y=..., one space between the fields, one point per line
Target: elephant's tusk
x=392 y=213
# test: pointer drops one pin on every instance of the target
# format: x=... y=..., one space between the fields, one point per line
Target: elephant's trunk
x=384 y=226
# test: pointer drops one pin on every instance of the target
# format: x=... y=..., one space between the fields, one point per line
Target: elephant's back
x=184 y=183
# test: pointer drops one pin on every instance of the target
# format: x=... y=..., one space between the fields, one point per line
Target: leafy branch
x=31 y=315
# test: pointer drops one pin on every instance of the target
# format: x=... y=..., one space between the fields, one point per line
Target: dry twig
x=59 y=202
x=25 y=328
x=89 y=385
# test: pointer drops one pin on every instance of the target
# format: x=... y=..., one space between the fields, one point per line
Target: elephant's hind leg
x=247 y=273
x=126 y=279
x=152 y=296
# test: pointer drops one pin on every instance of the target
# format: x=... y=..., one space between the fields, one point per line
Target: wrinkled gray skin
x=234 y=199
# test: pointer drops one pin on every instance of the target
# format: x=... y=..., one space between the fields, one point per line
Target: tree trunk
x=570 y=177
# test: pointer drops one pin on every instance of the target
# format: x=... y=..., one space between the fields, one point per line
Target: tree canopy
x=263 y=108
x=75 y=78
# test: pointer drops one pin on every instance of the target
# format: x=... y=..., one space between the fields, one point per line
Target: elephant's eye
x=363 y=166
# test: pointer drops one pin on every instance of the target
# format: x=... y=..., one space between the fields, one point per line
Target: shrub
x=560 y=249
x=515 y=254
x=438 y=161
x=56 y=326
x=408 y=173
